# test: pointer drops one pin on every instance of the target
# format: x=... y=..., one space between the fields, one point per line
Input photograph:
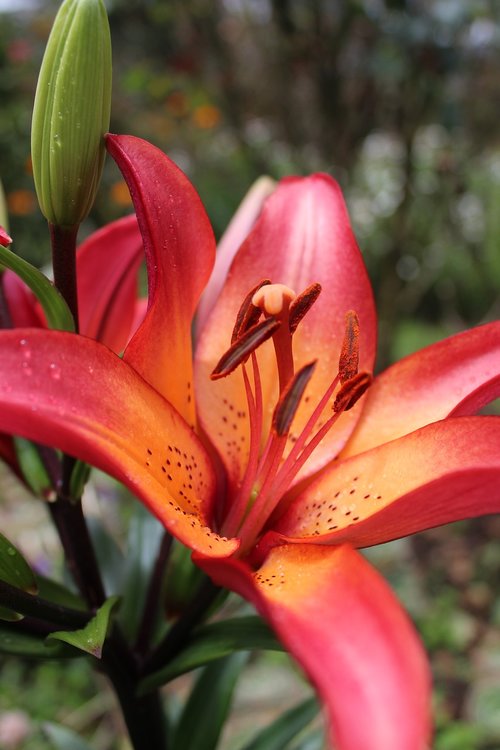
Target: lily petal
x=23 y=306
x=180 y=251
x=230 y=242
x=456 y=376
x=75 y=394
x=342 y=623
x=302 y=236
x=107 y=266
x=446 y=471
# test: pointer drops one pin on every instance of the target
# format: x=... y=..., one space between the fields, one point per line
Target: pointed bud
x=71 y=112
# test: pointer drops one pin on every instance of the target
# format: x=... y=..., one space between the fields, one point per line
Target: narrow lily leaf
x=211 y=642
x=55 y=308
x=313 y=741
x=281 y=732
x=206 y=710
x=109 y=555
x=13 y=642
x=55 y=592
x=90 y=638
x=144 y=538
x=32 y=468
x=63 y=738
x=14 y=570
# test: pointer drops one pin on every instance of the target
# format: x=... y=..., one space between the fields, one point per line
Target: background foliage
x=399 y=100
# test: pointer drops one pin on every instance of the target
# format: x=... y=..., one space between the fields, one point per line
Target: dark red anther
x=248 y=315
x=349 y=354
x=351 y=391
x=302 y=304
x=290 y=399
x=244 y=346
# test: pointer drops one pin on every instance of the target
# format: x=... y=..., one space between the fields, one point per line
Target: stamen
x=273 y=299
x=290 y=399
x=302 y=304
x=351 y=391
x=248 y=314
x=244 y=346
x=349 y=354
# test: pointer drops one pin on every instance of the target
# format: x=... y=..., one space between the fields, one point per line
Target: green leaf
x=55 y=308
x=14 y=570
x=16 y=643
x=32 y=467
x=63 y=738
x=211 y=642
x=55 y=592
x=143 y=543
x=281 y=732
x=90 y=638
x=206 y=710
x=312 y=741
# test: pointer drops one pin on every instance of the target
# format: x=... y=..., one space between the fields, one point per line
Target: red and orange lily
x=271 y=453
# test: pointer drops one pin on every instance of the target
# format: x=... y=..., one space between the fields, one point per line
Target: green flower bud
x=71 y=112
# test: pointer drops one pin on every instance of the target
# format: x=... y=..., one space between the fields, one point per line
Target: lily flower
x=271 y=453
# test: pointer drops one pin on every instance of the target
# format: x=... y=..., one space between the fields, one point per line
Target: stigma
x=274 y=312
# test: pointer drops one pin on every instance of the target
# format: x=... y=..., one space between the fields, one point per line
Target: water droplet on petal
x=55 y=371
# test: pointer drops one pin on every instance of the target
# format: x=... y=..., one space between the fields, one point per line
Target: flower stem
x=41 y=609
x=63 y=242
x=78 y=548
x=144 y=715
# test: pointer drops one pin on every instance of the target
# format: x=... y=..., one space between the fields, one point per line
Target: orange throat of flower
x=274 y=311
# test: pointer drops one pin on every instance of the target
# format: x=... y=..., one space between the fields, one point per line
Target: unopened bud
x=71 y=112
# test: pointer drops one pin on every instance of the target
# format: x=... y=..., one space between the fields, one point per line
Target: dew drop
x=55 y=371
x=11 y=551
x=27 y=370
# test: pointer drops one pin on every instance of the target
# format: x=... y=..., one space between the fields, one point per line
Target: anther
x=248 y=314
x=302 y=304
x=290 y=399
x=244 y=346
x=273 y=299
x=349 y=354
x=351 y=391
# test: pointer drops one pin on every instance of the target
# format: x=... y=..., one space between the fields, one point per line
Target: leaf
x=32 y=468
x=281 y=732
x=63 y=738
x=206 y=710
x=16 y=643
x=144 y=539
x=14 y=570
x=55 y=308
x=90 y=638
x=55 y=592
x=313 y=741
x=211 y=642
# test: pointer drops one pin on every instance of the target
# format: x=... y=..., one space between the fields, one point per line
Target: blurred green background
x=400 y=101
